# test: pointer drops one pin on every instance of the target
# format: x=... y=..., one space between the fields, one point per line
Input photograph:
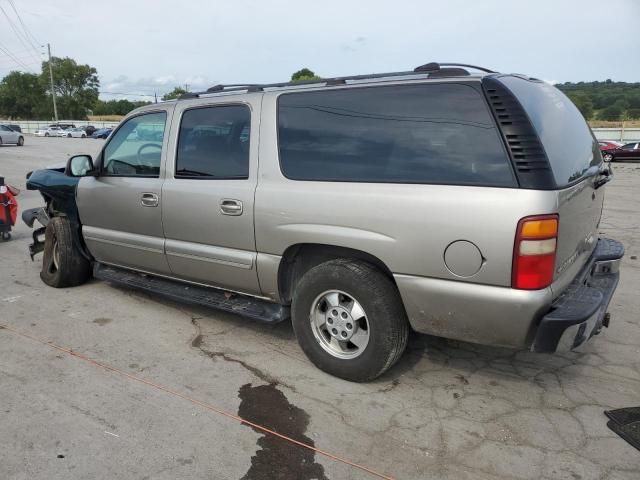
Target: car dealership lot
x=447 y=410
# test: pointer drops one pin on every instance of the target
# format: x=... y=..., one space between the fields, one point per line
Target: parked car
x=630 y=151
x=62 y=125
x=63 y=132
x=10 y=136
x=47 y=132
x=77 y=132
x=15 y=127
x=89 y=129
x=460 y=204
x=102 y=133
x=608 y=145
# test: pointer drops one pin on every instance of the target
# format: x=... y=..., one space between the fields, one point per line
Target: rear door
x=209 y=191
x=630 y=151
x=121 y=209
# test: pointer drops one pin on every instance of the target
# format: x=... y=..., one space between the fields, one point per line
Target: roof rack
x=432 y=69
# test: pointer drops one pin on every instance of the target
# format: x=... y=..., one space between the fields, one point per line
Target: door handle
x=149 y=200
x=229 y=206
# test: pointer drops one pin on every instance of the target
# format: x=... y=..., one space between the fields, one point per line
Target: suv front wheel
x=349 y=319
x=62 y=264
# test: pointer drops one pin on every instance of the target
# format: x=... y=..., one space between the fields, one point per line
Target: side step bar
x=251 y=307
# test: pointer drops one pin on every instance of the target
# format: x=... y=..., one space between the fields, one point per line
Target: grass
x=105 y=118
x=615 y=124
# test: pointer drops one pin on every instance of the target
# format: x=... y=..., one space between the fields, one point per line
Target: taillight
x=534 y=252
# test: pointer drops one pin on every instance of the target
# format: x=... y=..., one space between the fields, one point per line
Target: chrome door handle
x=149 y=200
x=229 y=206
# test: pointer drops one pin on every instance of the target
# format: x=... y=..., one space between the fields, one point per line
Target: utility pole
x=53 y=92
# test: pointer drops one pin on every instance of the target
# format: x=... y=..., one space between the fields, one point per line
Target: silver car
x=9 y=136
x=450 y=200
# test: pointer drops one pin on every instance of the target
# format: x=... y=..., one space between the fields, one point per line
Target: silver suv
x=463 y=205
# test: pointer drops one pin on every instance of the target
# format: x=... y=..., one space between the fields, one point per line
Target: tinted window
x=136 y=147
x=564 y=133
x=214 y=143
x=628 y=146
x=426 y=133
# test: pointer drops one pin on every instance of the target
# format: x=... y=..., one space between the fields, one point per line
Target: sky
x=141 y=47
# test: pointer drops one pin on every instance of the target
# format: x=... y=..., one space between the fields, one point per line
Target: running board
x=244 y=305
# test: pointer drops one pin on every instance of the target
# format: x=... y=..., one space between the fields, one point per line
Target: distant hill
x=606 y=100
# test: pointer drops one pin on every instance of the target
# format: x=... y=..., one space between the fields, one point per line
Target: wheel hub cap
x=339 y=324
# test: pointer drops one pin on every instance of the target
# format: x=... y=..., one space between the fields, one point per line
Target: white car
x=7 y=135
x=47 y=132
x=75 y=133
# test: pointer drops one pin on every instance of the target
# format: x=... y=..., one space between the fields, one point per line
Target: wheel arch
x=297 y=259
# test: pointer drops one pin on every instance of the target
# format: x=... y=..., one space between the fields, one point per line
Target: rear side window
x=425 y=133
x=213 y=143
x=563 y=131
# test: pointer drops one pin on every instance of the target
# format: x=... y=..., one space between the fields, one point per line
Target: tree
x=175 y=93
x=22 y=96
x=304 y=74
x=584 y=104
x=76 y=86
x=633 y=113
x=612 y=112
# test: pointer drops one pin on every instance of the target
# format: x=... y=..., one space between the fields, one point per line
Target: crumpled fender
x=59 y=191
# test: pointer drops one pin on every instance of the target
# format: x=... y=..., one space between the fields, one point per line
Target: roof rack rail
x=432 y=68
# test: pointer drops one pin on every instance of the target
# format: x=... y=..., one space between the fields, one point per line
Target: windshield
x=565 y=135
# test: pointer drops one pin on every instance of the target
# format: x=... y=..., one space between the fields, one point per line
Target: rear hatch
x=576 y=162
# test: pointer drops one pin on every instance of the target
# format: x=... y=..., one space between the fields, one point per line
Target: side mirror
x=79 y=166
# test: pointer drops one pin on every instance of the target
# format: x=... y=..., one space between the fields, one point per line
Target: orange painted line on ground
x=202 y=404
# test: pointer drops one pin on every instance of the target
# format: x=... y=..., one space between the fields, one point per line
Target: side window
x=424 y=133
x=135 y=149
x=213 y=143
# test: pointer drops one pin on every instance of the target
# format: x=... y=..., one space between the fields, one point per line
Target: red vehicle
x=8 y=209
x=630 y=151
x=608 y=145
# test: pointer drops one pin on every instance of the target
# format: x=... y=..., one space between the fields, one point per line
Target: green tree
x=612 y=112
x=175 y=93
x=304 y=74
x=75 y=85
x=584 y=104
x=633 y=113
x=21 y=96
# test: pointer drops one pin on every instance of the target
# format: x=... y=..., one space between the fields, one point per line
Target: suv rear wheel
x=62 y=264
x=349 y=319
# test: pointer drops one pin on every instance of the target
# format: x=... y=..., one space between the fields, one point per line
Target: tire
x=68 y=135
x=83 y=136
x=383 y=323
x=62 y=264
x=608 y=157
x=20 y=141
x=46 y=134
x=0 y=141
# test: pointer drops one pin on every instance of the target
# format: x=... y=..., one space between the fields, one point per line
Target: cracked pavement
x=447 y=410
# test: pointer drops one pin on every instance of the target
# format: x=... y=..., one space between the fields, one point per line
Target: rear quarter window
x=420 y=133
x=565 y=135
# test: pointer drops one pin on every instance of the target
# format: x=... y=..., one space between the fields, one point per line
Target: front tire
x=607 y=157
x=62 y=264
x=349 y=319
x=20 y=141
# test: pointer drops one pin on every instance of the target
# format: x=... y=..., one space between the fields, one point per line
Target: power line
x=9 y=54
x=19 y=35
x=24 y=27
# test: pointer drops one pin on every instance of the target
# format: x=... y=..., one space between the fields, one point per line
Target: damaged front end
x=59 y=193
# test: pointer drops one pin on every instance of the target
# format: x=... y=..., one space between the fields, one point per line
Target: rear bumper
x=581 y=310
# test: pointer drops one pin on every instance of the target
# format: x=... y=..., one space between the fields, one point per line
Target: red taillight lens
x=534 y=252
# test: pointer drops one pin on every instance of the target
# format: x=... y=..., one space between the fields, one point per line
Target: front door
x=208 y=193
x=121 y=209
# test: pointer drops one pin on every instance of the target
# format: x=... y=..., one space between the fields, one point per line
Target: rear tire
x=62 y=264
x=330 y=294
